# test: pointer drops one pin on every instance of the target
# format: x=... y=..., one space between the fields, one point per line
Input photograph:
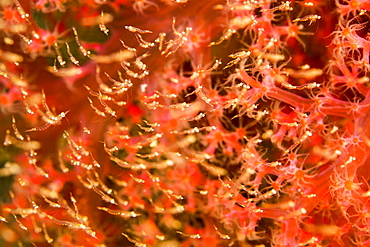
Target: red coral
x=184 y=123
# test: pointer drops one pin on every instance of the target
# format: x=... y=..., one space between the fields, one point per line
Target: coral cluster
x=184 y=123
